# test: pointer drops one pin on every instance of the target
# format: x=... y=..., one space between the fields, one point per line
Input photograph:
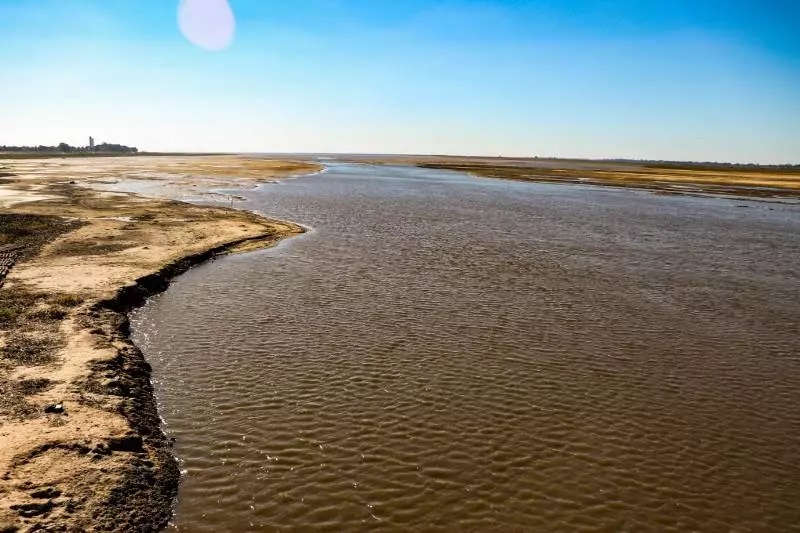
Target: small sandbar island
x=81 y=446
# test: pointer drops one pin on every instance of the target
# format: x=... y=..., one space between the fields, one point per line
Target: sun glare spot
x=209 y=24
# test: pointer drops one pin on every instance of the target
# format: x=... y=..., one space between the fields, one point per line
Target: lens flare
x=209 y=24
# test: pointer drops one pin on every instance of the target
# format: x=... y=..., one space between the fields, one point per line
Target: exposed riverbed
x=442 y=352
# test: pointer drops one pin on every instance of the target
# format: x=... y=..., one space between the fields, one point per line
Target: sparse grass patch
x=32 y=231
x=13 y=403
x=27 y=349
x=34 y=386
x=8 y=315
x=15 y=303
x=25 y=310
x=17 y=227
x=47 y=313
x=66 y=300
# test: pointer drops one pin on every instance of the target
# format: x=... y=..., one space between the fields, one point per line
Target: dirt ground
x=80 y=442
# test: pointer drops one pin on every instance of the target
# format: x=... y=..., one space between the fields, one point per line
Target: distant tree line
x=689 y=165
x=64 y=148
x=711 y=165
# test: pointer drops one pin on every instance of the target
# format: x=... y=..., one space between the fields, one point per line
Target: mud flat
x=80 y=441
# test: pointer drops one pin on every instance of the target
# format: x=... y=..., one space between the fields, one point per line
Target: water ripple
x=453 y=354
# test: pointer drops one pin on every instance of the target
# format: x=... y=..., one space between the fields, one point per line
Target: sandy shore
x=81 y=446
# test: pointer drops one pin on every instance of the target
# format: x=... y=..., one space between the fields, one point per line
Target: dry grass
x=67 y=300
x=34 y=386
x=22 y=311
x=30 y=349
x=13 y=404
x=8 y=315
x=32 y=231
x=15 y=303
x=46 y=314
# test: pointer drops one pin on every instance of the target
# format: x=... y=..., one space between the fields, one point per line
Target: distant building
x=91 y=143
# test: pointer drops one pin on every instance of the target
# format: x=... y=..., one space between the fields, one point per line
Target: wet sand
x=82 y=446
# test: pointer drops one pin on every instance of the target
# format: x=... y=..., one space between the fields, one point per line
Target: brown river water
x=448 y=353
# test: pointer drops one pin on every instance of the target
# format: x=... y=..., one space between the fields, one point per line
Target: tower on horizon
x=91 y=143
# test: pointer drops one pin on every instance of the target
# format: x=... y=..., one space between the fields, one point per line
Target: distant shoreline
x=58 y=155
x=669 y=177
x=718 y=179
x=379 y=158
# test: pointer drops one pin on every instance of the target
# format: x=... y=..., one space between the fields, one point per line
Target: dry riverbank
x=81 y=446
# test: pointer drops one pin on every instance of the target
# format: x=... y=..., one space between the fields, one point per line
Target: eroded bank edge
x=148 y=490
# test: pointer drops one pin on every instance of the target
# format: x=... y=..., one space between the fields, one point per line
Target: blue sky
x=661 y=79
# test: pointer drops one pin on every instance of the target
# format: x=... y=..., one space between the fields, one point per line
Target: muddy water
x=445 y=353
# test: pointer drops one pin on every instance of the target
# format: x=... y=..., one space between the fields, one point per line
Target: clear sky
x=661 y=79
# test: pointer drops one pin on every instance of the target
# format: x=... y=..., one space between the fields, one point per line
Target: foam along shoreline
x=82 y=446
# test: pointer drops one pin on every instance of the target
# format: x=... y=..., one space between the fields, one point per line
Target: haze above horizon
x=678 y=80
